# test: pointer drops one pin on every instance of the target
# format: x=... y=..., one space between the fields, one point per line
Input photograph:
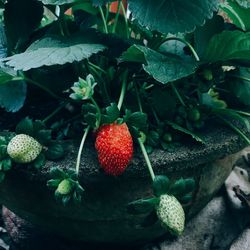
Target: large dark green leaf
x=54 y=51
x=21 y=18
x=240 y=85
x=12 y=95
x=229 y=45
x=162 y=67
x=172 y=16
x=203 y=34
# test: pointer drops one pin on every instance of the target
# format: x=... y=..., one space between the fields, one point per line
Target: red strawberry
x=114 y=145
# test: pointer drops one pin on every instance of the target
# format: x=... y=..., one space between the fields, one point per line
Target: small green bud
x=65 y=187
x=194 y=115
x=167 y=137
x=208 y=74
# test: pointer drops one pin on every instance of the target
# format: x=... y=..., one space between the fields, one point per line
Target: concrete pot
x=102 y=217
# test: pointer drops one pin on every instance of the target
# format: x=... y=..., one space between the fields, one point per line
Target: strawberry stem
x=123 y=90
x=98 y=122
x=78 y=160
x=145 y=155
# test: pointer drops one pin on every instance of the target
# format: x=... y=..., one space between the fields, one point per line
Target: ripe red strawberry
x=114 y=145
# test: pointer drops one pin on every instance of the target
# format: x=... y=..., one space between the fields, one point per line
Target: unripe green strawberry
x=171 y=214
x=65 y=187
x=23 y=148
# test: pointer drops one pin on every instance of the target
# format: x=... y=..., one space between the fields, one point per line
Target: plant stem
x=178 y=94
x=148 y=163
x=138 y=97
x=58 y=109
x=78 y=160
x=123 y=90
x=103 y=20
x=183 y=41
x=37 y=84
x=97 y=67
x=125 y=19
x=235 y=129
x=98 y=112
x=117 y=16
x=107 y=12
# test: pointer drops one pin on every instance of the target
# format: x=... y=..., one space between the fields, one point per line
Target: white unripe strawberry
x=171 y=214
x=23 y=148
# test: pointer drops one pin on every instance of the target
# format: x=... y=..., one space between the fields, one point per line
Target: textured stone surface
x=243 y=241
x=212 y=228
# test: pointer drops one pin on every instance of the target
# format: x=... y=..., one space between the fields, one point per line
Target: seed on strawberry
x=171 y=214
x=23 y=148
x=114 y=145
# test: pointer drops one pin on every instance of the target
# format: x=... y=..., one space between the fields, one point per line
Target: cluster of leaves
x=66 y=185
x=182 y=189
x=5 y=160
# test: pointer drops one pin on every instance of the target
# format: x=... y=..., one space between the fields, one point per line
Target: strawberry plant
x=137 y=75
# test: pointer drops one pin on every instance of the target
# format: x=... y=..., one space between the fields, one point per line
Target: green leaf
x=5 y=76
x=13 y=95
x=153 y=138
x=238 y=16
x=53 y=183
x=21 y=18
x=240 y=84
x=178 y=188
x=6 y=164
x=136 y=119
x=57 y=173
x=39 y=161
x=143 y=206
x=160 y=185
x=54 y=51
x=163 y=68
x=190 y=185
x=25 y=126
x=101 y=2
x=112 y=113
x=203 y=34
x=220 y=49
x=185 y=131
x=44 y=136
x=55 y=151
x=172 y=16
x=186 y=198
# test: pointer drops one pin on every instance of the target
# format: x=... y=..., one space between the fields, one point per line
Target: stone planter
x=102 y=216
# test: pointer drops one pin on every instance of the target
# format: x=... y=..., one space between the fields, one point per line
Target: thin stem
x=125 y=19
x=148 y=163
x=78 y=160
x=98 y=112
x=235 y=129
x=57 y=110
x=117 y=16
x=37 y=84
x=123 y=90
x=103 y=20
x=138 y=97
x=178 y=94
x=97 y=67
x=183 y=41
x=107 y=12
x=155 y=116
